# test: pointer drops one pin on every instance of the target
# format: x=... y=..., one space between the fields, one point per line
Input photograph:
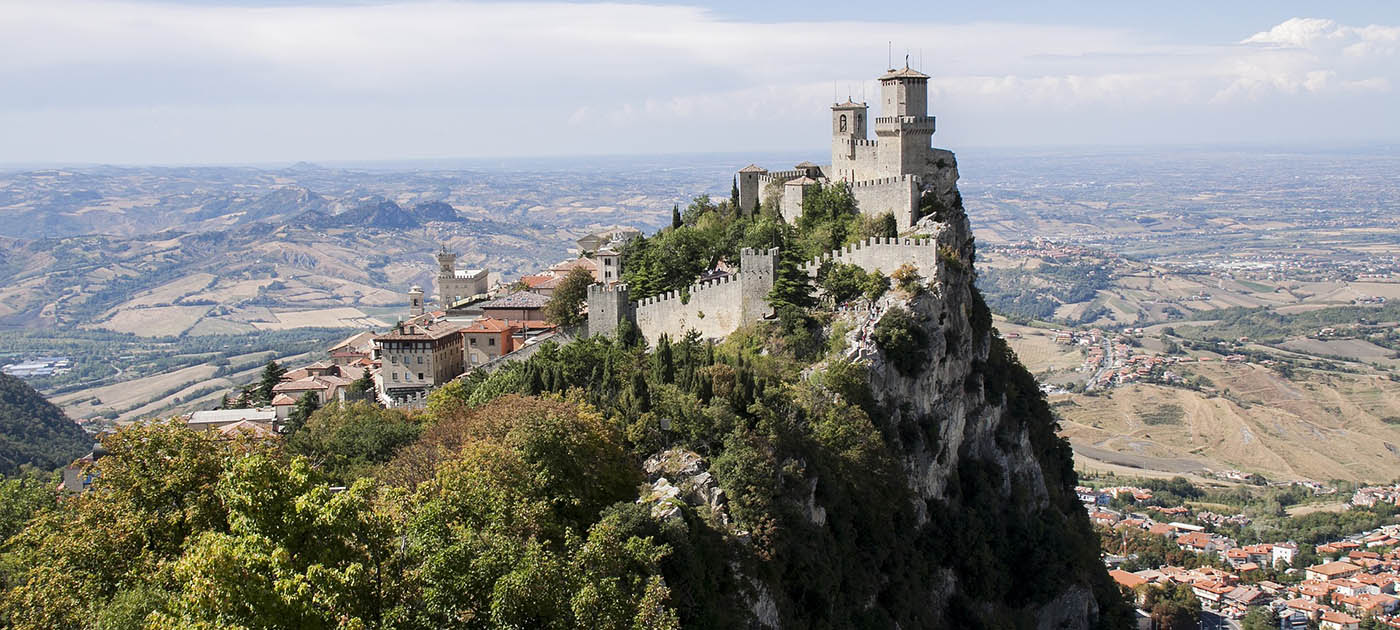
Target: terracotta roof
x=283 y=399
x=905 y=73
x=543 y=281
x=588 y=264
x=806 y=164
x=301 y=385
x=488 y=325
x=753 y=168
x=519 y=299
x=1335 y=568
x=1127 y=580
x=1339 y=617
x=255 y=429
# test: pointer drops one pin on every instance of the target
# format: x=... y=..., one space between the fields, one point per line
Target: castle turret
x=757 y=269
x=447 y=263
x=848 y=133
x=607 y=307
x=749 y=184
x=904 y=128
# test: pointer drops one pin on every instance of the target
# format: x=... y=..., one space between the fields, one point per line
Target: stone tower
x=415 y=301
x=848 y=134
x=447 y=264
x=749 y=183
x=904 y=128
x=607 y=307
x=756 y=273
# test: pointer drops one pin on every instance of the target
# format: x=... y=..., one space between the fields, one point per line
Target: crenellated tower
x=904 y=128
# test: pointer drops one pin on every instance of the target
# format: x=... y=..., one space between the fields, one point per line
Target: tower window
x=843 y=123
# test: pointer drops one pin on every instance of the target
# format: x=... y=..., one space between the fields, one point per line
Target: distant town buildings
x=456 y=285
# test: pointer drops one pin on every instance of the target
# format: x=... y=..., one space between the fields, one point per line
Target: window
x=843 y=123
x=396 y=376
x=420 y=376
x=473 y=341
x=394 y=359
x=420 y=359
x=491 y=341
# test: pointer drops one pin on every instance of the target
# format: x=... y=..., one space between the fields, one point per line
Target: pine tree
x=271 y=376
x=791 y=285
x=364 y=384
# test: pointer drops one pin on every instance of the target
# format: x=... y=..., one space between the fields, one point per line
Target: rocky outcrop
x=678 y=478
x=994 y=535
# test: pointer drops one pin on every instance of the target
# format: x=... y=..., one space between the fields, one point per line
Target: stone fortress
x=900 y=173
x=890 y=174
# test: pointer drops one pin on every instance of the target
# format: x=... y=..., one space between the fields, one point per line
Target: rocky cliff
x=926 y=487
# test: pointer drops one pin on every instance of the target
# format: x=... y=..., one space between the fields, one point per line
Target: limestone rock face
x=979 y=457
x=693 y=485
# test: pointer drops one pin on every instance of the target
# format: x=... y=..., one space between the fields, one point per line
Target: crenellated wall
x=885 y=255
x=897 y=195
x=714 y=308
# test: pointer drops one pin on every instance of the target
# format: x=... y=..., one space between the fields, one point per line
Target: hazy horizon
x=266 y=81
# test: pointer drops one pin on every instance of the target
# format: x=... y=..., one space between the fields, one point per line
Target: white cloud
x=475 y=78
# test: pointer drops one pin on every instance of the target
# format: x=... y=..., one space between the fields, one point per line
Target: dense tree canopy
x=34 y=432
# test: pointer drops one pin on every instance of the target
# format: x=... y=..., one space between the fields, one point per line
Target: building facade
x=456 y=285
x=417 y=357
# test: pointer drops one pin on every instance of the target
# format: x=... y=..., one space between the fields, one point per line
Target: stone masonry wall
x=884 y=254
x=898 y=195
x=714 y=310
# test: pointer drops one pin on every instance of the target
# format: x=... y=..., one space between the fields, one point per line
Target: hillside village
x=1334 y=585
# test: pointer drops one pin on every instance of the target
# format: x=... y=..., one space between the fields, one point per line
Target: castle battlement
x=884 y=181
x=884 y=254
x=779 y=177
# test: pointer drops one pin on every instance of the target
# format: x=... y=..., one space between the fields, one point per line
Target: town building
x=416 y=357
x=488 y=338
x=215 y=419
x=615 y=238
x=518 y=306
x=457 y=285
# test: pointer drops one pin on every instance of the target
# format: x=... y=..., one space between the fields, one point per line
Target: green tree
x=565 y=307
x=676 y=217
x=791 y=284
x=347 y=440
x=301 y=412
x=734 y=196
x=1260 y=618
x=271 y=376
x=364 y=384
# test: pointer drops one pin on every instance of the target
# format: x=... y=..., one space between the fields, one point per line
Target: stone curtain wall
x=884 y=254
x=715 y=309
x=898 y=195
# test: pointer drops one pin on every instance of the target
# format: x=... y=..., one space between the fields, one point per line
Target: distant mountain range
x=382 y=214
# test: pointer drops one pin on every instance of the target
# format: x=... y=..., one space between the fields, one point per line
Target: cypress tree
x=675 y=216
x=734 y=196
x=665 y=366
x=791 y=286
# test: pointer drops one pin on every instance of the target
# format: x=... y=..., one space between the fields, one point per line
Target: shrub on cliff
x=904 y=342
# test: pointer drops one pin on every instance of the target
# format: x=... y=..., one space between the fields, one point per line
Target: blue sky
x=158 y=81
